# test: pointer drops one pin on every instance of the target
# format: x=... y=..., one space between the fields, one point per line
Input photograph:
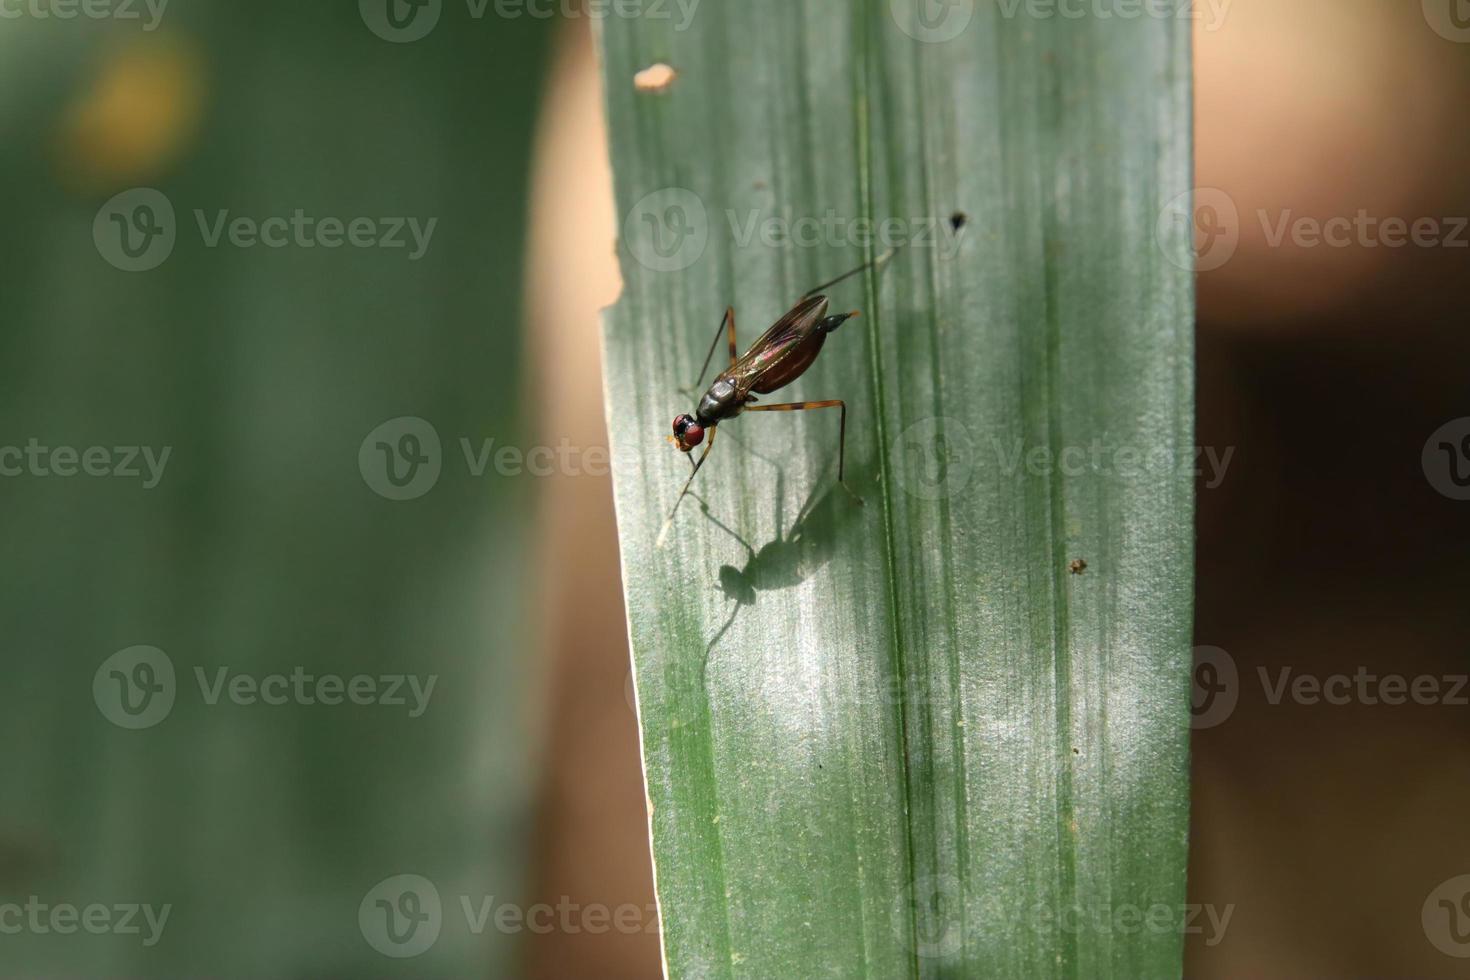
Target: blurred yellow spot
x=138 y=115
x=655 y=78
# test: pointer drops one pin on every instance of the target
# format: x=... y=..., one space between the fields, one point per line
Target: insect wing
x=777 y=343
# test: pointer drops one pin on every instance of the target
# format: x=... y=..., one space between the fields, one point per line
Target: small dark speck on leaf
x=958 y=220
x=1077 y=566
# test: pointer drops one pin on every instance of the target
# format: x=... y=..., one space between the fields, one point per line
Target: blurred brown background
x=1325 y=549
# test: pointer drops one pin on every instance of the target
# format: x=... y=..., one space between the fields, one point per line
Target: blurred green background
x=263 y=547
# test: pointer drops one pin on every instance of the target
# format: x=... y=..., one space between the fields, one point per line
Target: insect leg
x=708 y=445
x=727 y=324
x=842 y=431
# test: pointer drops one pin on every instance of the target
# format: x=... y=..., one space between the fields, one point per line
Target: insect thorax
x=718 y=403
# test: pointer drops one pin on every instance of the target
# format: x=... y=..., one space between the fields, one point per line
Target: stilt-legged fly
x=779 y=357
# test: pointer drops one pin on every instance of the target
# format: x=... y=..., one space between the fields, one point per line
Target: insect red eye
x=682 y=422
x=693 y=434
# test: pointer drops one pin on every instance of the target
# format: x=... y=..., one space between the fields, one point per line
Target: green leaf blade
x=904 y=739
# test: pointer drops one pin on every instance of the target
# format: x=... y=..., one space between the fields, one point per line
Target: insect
x=780 y=356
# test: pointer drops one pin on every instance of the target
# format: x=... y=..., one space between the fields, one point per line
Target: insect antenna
x=876 y=263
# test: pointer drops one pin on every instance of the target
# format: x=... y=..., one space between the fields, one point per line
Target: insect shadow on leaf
x=787 y=560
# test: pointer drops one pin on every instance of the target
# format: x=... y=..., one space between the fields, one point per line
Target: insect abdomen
x=792 y=366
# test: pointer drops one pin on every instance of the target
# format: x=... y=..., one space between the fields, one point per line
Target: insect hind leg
x=841 y=431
